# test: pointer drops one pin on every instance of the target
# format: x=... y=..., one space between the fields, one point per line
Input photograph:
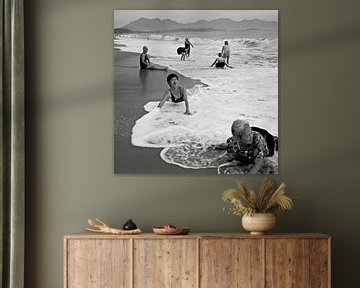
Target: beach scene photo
x=196 y=92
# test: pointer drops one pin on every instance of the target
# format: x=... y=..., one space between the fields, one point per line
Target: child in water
x=176 y=93
x=246 y=146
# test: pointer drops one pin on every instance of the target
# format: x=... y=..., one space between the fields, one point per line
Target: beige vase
x=259 y=223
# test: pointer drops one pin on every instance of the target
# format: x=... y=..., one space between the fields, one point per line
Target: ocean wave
x=256 y=42
x=246 y=42
x=163 y=37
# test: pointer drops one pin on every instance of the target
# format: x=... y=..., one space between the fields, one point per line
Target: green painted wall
x=69 y=85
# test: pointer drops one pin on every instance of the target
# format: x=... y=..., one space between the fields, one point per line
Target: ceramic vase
x=259 y=223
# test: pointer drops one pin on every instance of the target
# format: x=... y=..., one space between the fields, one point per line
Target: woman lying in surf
x=145 y=61
x=176 y=93
x=220 y=62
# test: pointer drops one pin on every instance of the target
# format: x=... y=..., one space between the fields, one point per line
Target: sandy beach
x=133 y=88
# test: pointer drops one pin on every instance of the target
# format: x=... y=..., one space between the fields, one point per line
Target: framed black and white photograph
x=196 y=92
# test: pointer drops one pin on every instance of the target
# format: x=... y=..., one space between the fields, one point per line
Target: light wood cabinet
x=197 y=261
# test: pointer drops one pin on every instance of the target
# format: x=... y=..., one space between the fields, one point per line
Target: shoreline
x=133 y=88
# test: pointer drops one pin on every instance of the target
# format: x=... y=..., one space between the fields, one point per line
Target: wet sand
x=133 y=88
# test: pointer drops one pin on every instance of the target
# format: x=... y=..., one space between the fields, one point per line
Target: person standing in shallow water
x=225 y=51
x=176 y=93
x=181 y=51
x=145 y=61
x=187 y=47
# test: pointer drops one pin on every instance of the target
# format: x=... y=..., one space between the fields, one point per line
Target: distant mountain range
x=167 y=25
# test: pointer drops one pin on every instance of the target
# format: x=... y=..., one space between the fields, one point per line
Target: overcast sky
x=124 y=17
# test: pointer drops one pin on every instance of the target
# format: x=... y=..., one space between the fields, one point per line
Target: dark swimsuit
x=181 y=50
x=177 y=100
x=143 y=65
x=220 y=64
x=187 y=47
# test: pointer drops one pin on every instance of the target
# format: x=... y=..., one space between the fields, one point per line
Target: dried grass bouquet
x=245 y=201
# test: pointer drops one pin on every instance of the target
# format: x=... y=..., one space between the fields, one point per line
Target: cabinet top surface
x=87 y=235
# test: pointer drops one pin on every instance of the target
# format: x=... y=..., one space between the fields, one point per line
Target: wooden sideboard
x=197 y=260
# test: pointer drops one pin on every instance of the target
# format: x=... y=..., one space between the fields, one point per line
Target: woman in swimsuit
x=146 y=64
x=181 y=51
x=220 y=62
x=176 y=93
x=187 y=47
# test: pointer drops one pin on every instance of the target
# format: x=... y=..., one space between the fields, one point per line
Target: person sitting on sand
x=225 y=51
x=220 y=62
x=246 y=146
x=187 y=47
x=145 y=61
x=176 y=93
